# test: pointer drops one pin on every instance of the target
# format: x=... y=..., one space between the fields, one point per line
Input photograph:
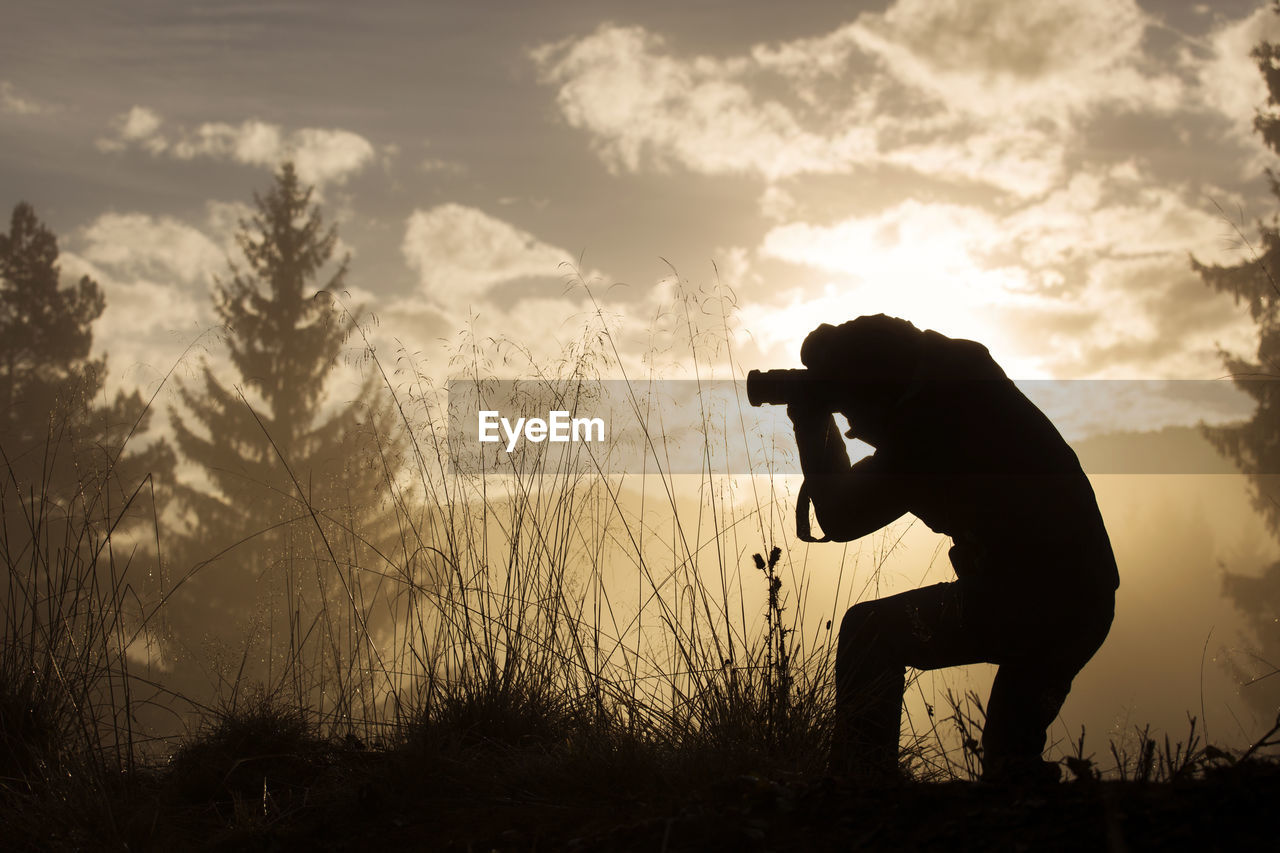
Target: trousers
x=1039 y=640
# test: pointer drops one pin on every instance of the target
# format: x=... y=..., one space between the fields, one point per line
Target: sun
x=936 y=282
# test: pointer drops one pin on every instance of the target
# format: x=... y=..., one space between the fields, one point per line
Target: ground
x=378 y=801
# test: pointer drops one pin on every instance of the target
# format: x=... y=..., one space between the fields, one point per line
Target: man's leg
x=1029 y=690
x=878 y=639
x=870 y=679
x=1025 y=699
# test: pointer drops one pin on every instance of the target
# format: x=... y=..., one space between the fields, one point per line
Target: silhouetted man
x=959 y=446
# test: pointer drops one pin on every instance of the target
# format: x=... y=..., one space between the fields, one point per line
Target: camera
x=779 y=387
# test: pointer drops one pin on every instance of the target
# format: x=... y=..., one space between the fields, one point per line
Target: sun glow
x=924 y=263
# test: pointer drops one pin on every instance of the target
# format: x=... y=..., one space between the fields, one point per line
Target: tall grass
x=73 y=648
x=551 y=621
x=556 y=591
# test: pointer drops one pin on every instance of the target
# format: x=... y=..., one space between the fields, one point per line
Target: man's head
x=867 y=362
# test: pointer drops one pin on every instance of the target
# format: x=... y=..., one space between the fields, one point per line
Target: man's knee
x=858 y=624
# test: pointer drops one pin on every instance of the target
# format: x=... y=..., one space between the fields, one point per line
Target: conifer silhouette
x=294 y=482
x=64 y=443
x=1254 y=445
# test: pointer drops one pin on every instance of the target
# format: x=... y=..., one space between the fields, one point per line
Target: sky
x=1031 y=175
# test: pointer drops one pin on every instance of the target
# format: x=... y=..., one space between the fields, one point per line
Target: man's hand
x=858 y=500
x=822 y=450
x=850 y=502
x=805 y=414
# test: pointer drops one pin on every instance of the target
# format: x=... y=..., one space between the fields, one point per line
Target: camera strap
x=803 y=531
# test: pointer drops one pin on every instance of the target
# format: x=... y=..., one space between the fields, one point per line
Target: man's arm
x=849 y=501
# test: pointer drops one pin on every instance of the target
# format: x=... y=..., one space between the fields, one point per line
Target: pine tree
x=1254 y=445
x=62 y=443
x=45 y=330
x=77 y=479
x=256 y=564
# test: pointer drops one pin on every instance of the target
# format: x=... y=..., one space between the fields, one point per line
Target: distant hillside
x=1172 y=450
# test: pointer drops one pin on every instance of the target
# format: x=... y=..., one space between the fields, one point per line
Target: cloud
x=1003 y=200
x=160 y=248
x=487 y=280
x=1093 y=278
x=15 y=104
x=924 y=261
x=1114 y=215
x=252 y=142
x=460 y=253
x=988 y=92
x=138 y=127
x=147 y=324
x=151 y=313
x=910 y=240
x=1134 y=317
x=1022 y=161
x=155 y=273
x=1228 y=79
x=322 y=156
x=644 y=107
x=1047 y=60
